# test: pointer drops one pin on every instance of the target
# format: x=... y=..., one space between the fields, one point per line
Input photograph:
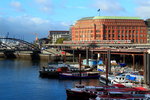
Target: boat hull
x=78 y=95
x=78 y=76
x=49 y=74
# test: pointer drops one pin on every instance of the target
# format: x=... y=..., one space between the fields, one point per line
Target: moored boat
x=53 y=70
x=78 y=75
x=82 y=92
x=103 y=79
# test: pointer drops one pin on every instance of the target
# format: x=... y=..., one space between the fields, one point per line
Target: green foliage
x=60 y=40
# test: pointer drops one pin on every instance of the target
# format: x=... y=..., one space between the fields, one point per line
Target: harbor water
x=19 y=80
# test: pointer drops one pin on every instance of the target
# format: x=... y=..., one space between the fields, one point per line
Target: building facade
x=54 y=35
x=148 y=29
x=110 y=28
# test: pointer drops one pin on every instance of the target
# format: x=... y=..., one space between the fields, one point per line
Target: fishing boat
x=78 y=75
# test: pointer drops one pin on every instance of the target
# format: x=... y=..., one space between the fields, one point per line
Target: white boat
x=127 y=79
x=121 y=79
x=102 y=79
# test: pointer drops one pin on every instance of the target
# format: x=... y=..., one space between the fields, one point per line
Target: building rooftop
x=110 y=17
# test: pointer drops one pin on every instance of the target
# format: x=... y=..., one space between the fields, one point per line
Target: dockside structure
x=110 y=28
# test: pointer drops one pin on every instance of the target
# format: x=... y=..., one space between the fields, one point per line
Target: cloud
x=109 y=6
x=142 y=9
x=25 y=26
x=17 y=6
x=76 y=7
x=45 y=5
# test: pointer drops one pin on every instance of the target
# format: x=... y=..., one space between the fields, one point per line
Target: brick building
x=110 y=28
x=147 y=21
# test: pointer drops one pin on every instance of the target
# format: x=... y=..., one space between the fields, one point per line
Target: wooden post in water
x=80 y=67
x=106 y=59
x=109 y=60
x=73 y=56
x=148 y=69
x=133 y=63
x=145 y=67
x=87 y=56
x=108 y=66
x=65 y=57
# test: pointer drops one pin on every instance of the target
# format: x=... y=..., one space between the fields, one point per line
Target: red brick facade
x=104 y=28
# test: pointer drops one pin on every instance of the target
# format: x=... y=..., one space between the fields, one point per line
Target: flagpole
x=98 y=12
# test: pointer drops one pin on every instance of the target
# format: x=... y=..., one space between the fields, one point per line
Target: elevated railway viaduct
x=133 y=53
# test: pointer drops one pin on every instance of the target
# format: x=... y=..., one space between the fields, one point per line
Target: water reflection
x=19 y=80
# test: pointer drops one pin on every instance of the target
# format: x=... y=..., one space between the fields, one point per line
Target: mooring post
x=106 y=59
x=133 y=62
x=109 y=60
x=73 y=56
x=87 y=56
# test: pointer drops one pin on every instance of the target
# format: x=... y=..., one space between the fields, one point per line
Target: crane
x=36 y=34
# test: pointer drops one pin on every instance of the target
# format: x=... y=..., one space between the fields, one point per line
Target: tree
x=60 y=40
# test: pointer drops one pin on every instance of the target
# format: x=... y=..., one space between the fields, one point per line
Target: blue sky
x=23 y=18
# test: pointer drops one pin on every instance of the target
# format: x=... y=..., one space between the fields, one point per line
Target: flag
x=98 y=10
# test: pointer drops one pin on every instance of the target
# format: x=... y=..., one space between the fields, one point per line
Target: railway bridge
x=10 y=46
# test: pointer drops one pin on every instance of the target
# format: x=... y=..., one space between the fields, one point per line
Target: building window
x=141 y=35
x=129 y=31
x=113 y=35
x=133 y=31
x=113 y=31
x=97 y=31
x=97 y=35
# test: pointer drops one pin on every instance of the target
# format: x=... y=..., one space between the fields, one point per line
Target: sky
x=24 y=19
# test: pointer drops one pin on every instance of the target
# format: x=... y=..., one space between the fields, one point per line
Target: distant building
x=54 y=35
x=148 y=26
x=110 y=28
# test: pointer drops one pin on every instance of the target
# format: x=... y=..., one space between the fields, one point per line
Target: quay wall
x=31 y=56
